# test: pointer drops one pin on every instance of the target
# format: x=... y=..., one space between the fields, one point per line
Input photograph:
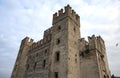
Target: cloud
x=20 y=18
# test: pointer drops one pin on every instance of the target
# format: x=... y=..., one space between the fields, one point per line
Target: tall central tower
x=64 y=48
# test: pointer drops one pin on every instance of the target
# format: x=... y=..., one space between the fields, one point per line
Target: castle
x=62 y=53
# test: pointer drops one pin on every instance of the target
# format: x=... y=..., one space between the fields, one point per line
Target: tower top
x=66 y=12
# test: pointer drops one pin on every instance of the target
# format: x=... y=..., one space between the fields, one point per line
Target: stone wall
x=93 y=62
x=19 y=67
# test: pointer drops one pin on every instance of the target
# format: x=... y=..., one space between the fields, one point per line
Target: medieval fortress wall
x=62 y=53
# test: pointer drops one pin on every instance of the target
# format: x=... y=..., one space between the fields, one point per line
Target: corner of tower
x=96 y=42
x=66 y=12
x=26 y=41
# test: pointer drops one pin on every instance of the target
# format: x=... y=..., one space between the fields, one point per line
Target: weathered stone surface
x=62 y=53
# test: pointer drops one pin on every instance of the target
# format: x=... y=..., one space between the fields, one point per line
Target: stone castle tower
x=62 y=53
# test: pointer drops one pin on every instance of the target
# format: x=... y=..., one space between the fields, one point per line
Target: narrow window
x=75 y=55
x=27 y=66
x=56 y=75
x=58 y=41
x=35 y=65
x=76 y=60
x=44 y=62
x=87 y=51
x=57 y=56
x=74 y=29
x=59 y=27
x=45 y=51
x=104 y=76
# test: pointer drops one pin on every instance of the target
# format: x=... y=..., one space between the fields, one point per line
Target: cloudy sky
x=21 y=18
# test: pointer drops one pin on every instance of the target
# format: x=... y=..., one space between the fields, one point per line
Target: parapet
x=94 y=43
x=27 y=40
x=40 y=43
x=95 y=39
x=83 y=44
x=47 y=32
x=83 y=41
x=66 y=12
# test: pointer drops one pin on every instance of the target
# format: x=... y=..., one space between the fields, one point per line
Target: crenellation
x=67 y=9
x=31 y=40
x=94 y=43
x=25 y=41
x=100 y=38
x=40 y=43
x=60 y=12
x=47 y=32
x=83 y=46
x=69 y=12
x=73 y=14
x=77 y=17
x=55 y=15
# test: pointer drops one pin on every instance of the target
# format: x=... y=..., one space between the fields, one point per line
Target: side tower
x=19 y=67
x=64 y=47
x=93 y=58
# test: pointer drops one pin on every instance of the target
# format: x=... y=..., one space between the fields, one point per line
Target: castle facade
x=62 y=53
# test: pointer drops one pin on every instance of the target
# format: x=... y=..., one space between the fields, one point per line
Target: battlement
x=47 y=32
x=66 y=12
x=83 y=44
x=40 y=43
x=96 y=39
x=83 y=41
x=94 y=43
x=27 y=40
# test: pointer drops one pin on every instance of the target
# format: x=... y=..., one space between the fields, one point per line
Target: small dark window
x=56 y=75
x=74 y=29
x=35 y=65
x=44 y=62
x=87 y=51
x=75 y=55
x=58 y=41
x=45 y=51
x=104 y=76
x=75 y=60
x=27 y=66
x=57 y=56
x=82 y=54
x=59 y=27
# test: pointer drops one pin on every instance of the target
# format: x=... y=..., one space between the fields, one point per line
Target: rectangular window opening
x=56 y=75
x=44 y=62
x=57 y=56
